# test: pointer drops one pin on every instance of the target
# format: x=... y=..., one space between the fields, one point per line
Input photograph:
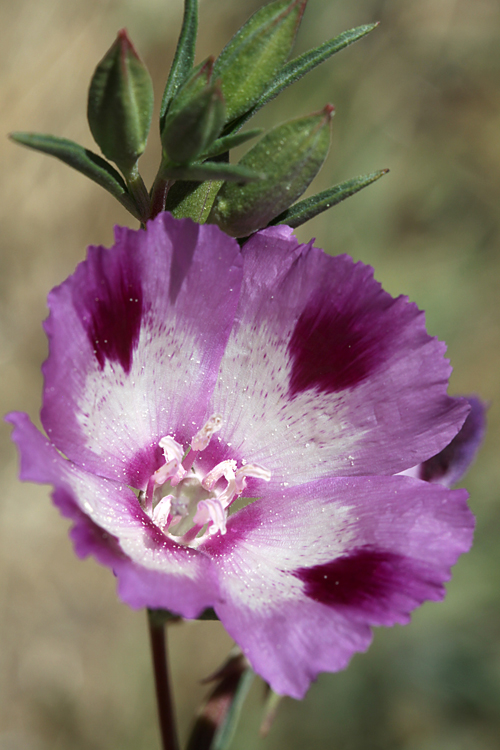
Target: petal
x=109 y=524
x=305 y=573
x=325 y=373
x=136 y=337
x=449 y=466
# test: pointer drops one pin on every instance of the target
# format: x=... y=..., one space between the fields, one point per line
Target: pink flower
x=186 y=377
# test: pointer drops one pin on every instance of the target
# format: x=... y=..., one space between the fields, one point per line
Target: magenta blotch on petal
x=111 y=308
x=367 y=580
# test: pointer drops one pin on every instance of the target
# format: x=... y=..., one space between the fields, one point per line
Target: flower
x=187 y=378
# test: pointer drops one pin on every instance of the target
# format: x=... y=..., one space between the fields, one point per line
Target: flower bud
x=256 y=52
x=120 y=104
x=190 y=131
x=290 y=155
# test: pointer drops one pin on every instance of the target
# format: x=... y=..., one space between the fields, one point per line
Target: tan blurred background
x=421 y=95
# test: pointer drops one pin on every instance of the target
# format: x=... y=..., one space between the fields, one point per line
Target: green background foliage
x=420 y=95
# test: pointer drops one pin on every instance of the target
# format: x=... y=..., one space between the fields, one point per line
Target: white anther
x=203 y=436
x=161 y=512
x=172 y=468
x=225 y=469
x=212 y=513
x=250 y=470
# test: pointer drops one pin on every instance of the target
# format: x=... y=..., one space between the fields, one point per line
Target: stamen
x=212 y=511
x=225 y=469
x=172 y=468
x=203 y=436
x=161 y=513
x=250 y=470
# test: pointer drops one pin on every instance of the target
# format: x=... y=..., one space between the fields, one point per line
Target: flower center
x=189 y=506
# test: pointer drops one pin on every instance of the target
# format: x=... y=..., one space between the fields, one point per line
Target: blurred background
x=420 y=95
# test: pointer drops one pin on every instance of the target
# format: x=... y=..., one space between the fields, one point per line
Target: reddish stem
x=162 y=683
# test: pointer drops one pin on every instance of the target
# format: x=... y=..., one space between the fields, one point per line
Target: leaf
x=212 y=171
x=227 y=729
x=183 y=58
x=217 y=717
x=83 y=160
x=311 y=207
x=221 y=145
x=297 y=68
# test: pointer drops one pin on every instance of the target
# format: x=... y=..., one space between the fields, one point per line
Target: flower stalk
x=158 y=639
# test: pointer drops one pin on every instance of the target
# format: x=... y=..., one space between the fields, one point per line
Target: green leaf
x=311 y=207
x=217 y=717
x=83 y=160
x=292 y=154
x=256 y=53
x=183 y=58
x=221 y=145
x=120 y=104
x=301 y=65
x=212 y=171
x=226 y=730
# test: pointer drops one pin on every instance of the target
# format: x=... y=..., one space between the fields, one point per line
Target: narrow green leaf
x=226 y=731
x=183 y=58
x=218 y=715
x=311 y=207
x=221 y=145
x=297 y=68
x=83 y=160
x=212 y=171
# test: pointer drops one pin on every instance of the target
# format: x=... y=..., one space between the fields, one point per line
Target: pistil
x=211 y=505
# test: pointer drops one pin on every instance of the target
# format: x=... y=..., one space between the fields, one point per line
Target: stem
x=159 y=194
x=139 y=192
x=162 y=683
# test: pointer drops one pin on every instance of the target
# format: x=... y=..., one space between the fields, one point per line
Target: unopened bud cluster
x=202 y=112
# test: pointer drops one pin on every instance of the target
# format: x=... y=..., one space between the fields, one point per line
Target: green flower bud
x=120 y=104
x=255 y=54
x=199 y=79
x=190 y=131
x=290 y=155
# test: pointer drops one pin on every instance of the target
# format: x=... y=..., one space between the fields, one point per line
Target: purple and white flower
x=227 y=429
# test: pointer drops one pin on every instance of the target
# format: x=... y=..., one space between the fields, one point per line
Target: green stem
x=162 y=682
x=139 y=192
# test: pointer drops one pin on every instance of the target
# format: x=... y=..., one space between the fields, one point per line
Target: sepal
x=120 y=104
x=291 y=154
x=192 y=200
